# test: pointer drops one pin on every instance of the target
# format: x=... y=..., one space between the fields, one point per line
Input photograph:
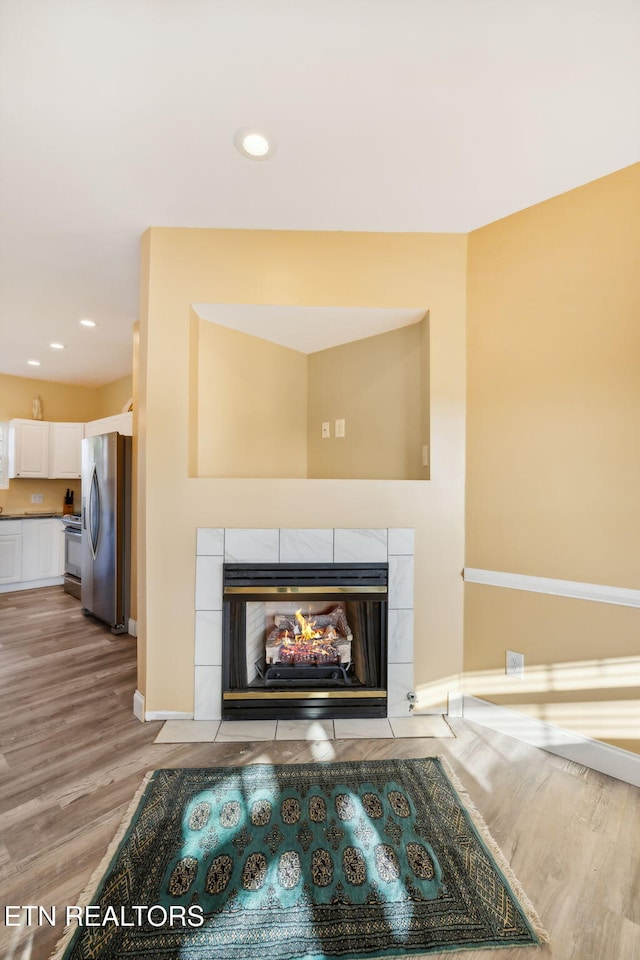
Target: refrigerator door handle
x=94 y=513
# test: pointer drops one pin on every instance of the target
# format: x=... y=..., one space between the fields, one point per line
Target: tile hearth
x=247 y=731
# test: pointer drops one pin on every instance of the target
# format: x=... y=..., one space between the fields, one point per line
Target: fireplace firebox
x=304 y=640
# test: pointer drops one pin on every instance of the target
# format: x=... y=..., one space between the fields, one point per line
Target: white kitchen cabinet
x=10 y=551
x=42 y=549
x=65 y=450
x=95 y=427
x=28 y=448
x=126 y=424
x=119 y=423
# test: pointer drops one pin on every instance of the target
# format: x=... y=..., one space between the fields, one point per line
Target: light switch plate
x=326 y=430
x=339 y=428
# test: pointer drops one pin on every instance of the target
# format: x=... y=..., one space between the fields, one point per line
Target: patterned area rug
x=350 y=860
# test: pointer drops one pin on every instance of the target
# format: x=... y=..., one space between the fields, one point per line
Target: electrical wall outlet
x=326 y=430
x=514 y=665
x=339 y=428
x=37 y=497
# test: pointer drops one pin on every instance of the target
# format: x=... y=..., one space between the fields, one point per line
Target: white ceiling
x=307 y=329
x=391 y=115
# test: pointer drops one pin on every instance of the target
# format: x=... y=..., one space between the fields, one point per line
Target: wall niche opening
x=268 y=384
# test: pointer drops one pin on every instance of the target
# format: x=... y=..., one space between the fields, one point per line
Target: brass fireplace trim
x=301 y=694
x=256 y=588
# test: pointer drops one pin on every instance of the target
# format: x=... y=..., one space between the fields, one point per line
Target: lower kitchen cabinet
x=10 y=551
x=30 y=551
x=41 y=549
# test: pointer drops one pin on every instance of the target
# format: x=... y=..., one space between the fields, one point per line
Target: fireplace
x=304 y=640
x=218 y=547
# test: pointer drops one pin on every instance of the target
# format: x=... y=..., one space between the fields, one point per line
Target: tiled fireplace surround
x=215 y=546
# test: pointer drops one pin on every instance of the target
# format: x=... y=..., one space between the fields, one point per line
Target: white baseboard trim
x=615 y=762
x=143 y=715
x=455 y=704
x=167 y=715
x=138 y=706
x=622 y=596
x=30 y=584
x=132 y=627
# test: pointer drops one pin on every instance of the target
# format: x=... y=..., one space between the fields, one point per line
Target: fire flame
x=305 y=642
x=306 y=627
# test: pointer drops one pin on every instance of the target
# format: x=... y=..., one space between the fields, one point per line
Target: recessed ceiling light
x=254 y=144
x=57 y=346
x=88 y=323
x=33 y=363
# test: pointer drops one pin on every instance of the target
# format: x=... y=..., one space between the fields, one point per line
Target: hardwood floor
x=72 y=756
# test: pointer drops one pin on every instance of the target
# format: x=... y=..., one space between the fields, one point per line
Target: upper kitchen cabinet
x=40 y=449
x=46 y=449
x=28 y=448
x=119 y=423
x=65 y=450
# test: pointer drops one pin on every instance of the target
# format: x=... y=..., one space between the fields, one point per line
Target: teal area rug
x=350 y=860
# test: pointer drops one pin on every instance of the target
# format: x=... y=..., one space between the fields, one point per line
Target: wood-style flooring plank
x=72 y=756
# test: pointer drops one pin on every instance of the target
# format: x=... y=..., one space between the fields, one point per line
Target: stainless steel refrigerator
x=106 y=529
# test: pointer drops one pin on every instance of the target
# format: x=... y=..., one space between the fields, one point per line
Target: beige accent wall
x=140 y=477
x=252 y=406
x=17 y=499
x=590 y=686
x=376 y=386
x=380 y=270
x=553 y=446
x=260 y=406
x=112 y=397
x=133 y=588
x=60 y=401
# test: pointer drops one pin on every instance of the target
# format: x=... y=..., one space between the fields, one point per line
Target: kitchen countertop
x=30 y=516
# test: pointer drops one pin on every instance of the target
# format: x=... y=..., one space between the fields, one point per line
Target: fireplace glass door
x=304 y=640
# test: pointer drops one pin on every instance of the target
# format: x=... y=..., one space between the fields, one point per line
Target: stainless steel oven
x=72 y=554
